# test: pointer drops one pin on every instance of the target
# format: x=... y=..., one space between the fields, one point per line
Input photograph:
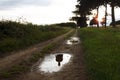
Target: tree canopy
x=84 y=8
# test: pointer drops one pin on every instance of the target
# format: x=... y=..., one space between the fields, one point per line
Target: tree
x=113 y=12
x=85 y=6
x=94 y=21
x=105 y=20
x=113 y=3
x=97 y=22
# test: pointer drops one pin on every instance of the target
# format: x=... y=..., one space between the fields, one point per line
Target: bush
x=16 y=35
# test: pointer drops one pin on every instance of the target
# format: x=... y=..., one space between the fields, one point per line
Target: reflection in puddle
x=69 y=42
x=73 y=40
x=59 y=58
x=54 y=62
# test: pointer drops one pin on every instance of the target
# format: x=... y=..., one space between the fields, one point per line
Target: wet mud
x=65 y=63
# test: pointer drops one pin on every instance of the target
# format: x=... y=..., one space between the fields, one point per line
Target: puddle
x=54 y=62
x=69 y=42
x=73 y=40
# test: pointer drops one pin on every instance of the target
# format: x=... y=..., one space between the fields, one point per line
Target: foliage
x=84 y=8
x=25 y=65
x=14 y=36
x=82 y=22
x=93 y=21
x=48 y=49
x=67 y=24
x=102 y=53
x=116 y=22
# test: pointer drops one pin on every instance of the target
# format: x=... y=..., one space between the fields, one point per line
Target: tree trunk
x=113 y=13
x=105 y=14
x=97 y=17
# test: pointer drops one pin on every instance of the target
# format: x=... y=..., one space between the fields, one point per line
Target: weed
x=15 y=36
x=102 y=53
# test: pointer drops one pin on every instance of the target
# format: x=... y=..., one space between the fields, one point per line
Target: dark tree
x=94 y=21
x=84 y=8
x=82 y=22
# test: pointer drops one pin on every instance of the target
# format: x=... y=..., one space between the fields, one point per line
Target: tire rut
x=74 y=70
x=17 y=57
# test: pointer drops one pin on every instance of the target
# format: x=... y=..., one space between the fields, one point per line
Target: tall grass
x=15 y=35
x=102 y=52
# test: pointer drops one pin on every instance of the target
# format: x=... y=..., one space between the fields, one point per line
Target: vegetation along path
x=74 y=70
x=17 y=57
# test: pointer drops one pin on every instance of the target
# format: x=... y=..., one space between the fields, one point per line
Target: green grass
x=25 y=65
x=48 y=49
x=102 y=52
x=16 y=36
x=18 y=69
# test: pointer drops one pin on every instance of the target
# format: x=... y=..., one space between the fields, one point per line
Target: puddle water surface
x=73 y=40
x=54 y=62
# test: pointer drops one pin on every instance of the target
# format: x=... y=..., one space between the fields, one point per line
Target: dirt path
x=16 y=58
x=74 y=70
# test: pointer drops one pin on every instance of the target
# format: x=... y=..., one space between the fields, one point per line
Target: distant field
x=15 y=36
x=102 y=52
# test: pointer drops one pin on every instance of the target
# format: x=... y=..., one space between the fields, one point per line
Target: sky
x=37 y=11
x=102 y=13
x=43 y=11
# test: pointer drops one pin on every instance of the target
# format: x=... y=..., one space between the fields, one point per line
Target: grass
x=16 y=36
x=25 y=65
x=48 y=49
x=102 y=52
x=17 y=69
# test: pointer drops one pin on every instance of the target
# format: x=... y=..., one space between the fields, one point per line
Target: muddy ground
x=74 y=70
x=18 y=56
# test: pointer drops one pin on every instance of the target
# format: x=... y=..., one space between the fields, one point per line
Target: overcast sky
x=37 y=11
x=42 y=11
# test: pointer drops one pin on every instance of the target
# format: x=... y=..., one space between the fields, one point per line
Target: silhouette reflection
x=54 y=62
x=73 y=40
x=59 y=58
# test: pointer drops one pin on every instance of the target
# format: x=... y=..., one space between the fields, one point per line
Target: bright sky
x=102 y=13
x=43 y=11
x=37 y=11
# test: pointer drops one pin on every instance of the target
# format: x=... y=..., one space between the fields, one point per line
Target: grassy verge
x=25 y=65
x=15 y=36
x=102 y=52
